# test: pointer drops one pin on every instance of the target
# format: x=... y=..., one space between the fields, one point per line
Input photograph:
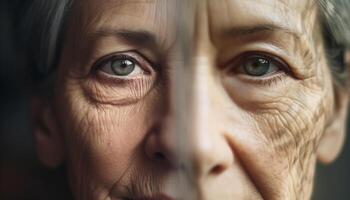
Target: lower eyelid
x=109 y=79
x=267 y=80
x=106 y=90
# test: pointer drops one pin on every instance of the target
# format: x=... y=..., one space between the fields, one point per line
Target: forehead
x=130 y=12
x=287 y=13
x=162 y=17
x=150 y=15
x=129 y=8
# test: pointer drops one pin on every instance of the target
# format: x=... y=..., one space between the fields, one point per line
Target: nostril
x=159 y=156
x=218 y=169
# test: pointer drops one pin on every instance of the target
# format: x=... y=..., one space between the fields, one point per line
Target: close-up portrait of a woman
x=175 y=99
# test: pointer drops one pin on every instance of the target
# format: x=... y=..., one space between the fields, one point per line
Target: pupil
x=123 y=67
x=257 y=67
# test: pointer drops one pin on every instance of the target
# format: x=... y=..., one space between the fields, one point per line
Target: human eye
x=121 y=78
x=122 y=66
x=259 y=67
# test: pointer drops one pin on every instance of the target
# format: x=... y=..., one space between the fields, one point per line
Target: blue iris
x=257 y=66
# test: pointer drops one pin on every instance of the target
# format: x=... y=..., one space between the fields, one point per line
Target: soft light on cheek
x=285 y=138
x=110 y=137
x=286 y=113
x=294 y=124
x=103 y=136
x=256 y=97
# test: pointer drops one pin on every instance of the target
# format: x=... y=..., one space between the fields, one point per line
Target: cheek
x=280 y=134
x=289 y=115
x=294 y=123
x=103 y=140
x=113 y=140
x=290 y=130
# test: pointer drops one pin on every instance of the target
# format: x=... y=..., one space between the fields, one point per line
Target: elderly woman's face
x=221 y=99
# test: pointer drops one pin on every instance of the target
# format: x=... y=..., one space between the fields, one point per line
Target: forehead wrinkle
x=262 y=11
x=300 y=3
x=258 y=21
x=302 y=41
x=312 y=32
x=96 y=11
x=96 y=15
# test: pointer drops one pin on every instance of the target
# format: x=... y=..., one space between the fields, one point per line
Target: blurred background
x=21 y=175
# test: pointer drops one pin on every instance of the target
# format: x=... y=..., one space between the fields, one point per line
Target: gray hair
x=45 y=21
x=335 y=16
x=43 y=27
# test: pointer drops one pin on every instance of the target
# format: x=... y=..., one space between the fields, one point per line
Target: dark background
x=21 y=175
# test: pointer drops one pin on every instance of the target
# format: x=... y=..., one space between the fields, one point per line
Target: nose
x=160 y=145
x=190 y=136
x=211 y=153
x=168 y=140
x=168 y=143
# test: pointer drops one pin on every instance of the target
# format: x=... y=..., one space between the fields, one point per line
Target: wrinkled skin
x=247 y=137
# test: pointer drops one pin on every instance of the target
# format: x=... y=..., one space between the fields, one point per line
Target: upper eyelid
x=272 y=60
x=110 y=58
x=124 y=55
x=238 y=60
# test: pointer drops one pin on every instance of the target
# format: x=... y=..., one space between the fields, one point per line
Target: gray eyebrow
x=261 y=28
x=140 y=38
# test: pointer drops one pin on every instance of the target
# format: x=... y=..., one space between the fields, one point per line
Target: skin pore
x=259 y=100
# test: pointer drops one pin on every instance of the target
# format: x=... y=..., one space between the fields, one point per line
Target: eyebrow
x=261 y=28
x=140 y=38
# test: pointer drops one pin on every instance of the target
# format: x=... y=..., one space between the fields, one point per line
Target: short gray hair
x=45 y=20
x=43 y=27
x=335 y=16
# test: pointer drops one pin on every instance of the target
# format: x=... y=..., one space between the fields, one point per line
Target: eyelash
x=134 y=56
x=120 y=55
x=265 y=81
x=275 y=79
